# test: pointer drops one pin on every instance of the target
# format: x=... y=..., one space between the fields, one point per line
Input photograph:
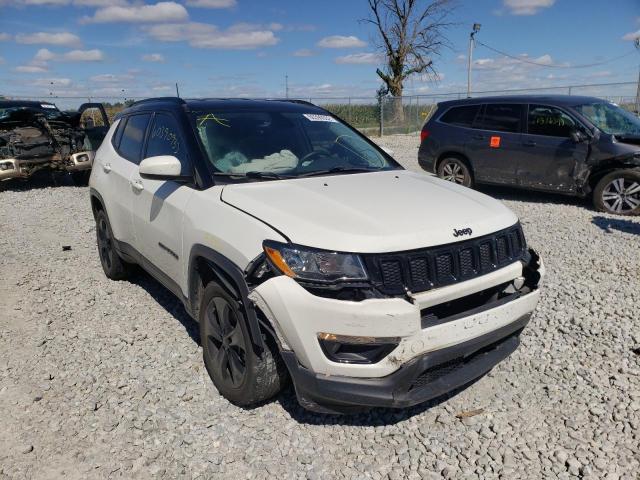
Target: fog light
x=356 y=349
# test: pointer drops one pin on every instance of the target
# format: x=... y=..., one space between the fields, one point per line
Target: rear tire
x=455 y=170
x=618 y=193
x=239 y=374
x=114 y=267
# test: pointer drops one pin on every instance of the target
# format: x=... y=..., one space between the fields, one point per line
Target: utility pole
x=476 y=29
x=177 y=91
x=286 y=86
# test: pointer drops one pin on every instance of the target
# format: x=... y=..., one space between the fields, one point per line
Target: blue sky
x=245 y=47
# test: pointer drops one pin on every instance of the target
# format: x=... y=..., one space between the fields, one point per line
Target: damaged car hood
x=371 y=212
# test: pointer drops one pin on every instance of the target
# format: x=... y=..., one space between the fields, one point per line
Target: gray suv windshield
x=610 y=118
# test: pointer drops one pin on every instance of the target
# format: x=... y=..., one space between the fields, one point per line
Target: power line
x=531 y=62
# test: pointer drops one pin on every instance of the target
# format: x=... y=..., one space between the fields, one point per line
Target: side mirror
x=578 y=137
x=162 y=167
x=387 y=150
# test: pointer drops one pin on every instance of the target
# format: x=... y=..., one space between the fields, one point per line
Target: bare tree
x=411 y=34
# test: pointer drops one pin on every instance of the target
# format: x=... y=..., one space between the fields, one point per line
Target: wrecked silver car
x=37 y=135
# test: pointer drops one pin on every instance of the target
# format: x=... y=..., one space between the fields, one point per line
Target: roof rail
x=292 y=100
x=176 y=100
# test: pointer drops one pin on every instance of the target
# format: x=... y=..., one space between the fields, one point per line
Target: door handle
x=529 y=144
x=137 y=185
x=478 y=137
x=106 y=167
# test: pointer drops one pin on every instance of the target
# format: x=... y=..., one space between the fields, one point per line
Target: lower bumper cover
x=423 y=378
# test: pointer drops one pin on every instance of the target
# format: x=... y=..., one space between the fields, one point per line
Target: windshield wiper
x=339 y=170
x=253 y=174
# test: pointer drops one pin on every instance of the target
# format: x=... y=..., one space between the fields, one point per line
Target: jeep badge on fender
x=464 y=231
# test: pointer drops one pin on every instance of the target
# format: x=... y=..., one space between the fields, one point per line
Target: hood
x=370 y=212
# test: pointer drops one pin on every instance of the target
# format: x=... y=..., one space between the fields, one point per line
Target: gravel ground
x=102 y=379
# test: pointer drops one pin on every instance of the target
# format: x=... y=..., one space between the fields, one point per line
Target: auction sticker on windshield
x=319 y=118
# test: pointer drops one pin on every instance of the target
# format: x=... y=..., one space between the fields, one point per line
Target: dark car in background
x=568 y=144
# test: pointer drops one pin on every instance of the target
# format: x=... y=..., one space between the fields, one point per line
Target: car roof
x=23 y=103
x=564 y=100
x=222 y=104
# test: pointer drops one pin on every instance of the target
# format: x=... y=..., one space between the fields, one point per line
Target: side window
x=133 y=137
x=461 y=116
x=549 y=121
x=165 y=139
x=117 y=135
x=501 y=117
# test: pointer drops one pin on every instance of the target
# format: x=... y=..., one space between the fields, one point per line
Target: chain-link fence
x=394 y=115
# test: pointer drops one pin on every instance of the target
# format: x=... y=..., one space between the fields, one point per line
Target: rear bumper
x=426 y=377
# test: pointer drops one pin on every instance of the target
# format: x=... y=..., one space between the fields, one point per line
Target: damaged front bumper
x=439 y=343
x=25 y=168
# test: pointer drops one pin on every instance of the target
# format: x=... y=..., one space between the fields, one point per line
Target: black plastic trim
x=340 y=394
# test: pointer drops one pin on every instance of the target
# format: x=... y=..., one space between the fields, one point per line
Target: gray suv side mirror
x=578 y=137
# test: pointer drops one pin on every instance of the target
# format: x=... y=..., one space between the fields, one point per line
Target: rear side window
x=549 y=121
x=501 y=117
x=115 y=141
x=133 y=137
x=461 y=116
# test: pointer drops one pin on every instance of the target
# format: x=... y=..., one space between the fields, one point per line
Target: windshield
x=610 y=118
x=50 y=111
x=275 y=144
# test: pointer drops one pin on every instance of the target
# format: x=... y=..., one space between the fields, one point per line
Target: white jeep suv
x=305 y=251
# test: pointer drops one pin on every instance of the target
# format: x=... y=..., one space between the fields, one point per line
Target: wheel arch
x=97 y=203
x=605 y=168
x=206 y=265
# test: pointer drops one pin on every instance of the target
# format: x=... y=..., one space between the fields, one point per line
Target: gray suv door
x=494 y=144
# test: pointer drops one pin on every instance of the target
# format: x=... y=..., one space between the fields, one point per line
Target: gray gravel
x=102 y=379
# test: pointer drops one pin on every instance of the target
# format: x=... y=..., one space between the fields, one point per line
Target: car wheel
x=456 y=171
x=618 y=192
x=240 y=375
x=114 y=267
x=81 y=178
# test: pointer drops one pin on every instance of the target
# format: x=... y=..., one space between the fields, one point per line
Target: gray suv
x=582 y=146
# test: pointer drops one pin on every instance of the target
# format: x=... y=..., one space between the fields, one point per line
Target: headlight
x=313 y=265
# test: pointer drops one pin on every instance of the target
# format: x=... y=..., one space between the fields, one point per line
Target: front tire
x=239 y=374
x=619 y=193
x=114 y=267
x=455 y=170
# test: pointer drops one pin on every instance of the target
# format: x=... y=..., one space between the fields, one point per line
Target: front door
x=158 y=205
x=494 y=143
x=549 y=154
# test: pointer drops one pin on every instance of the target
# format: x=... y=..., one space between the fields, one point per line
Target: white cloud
x=57 y=82
x=44 y=38
x=94 y=55
x=303 y=52
x=340 y=41
x=111 y=78
x=632 y=35
x=153 y=57
x=4 y=37
x=44 y=55
x=30 y=69
x=203 y=35
x=212 y=3
x=158 y=13
x=360 y=59
x=526 y=7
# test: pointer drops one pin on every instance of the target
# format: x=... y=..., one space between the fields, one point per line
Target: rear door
x=158 y=205
x=118 y=167
x=494 y=143
x=549 y=155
